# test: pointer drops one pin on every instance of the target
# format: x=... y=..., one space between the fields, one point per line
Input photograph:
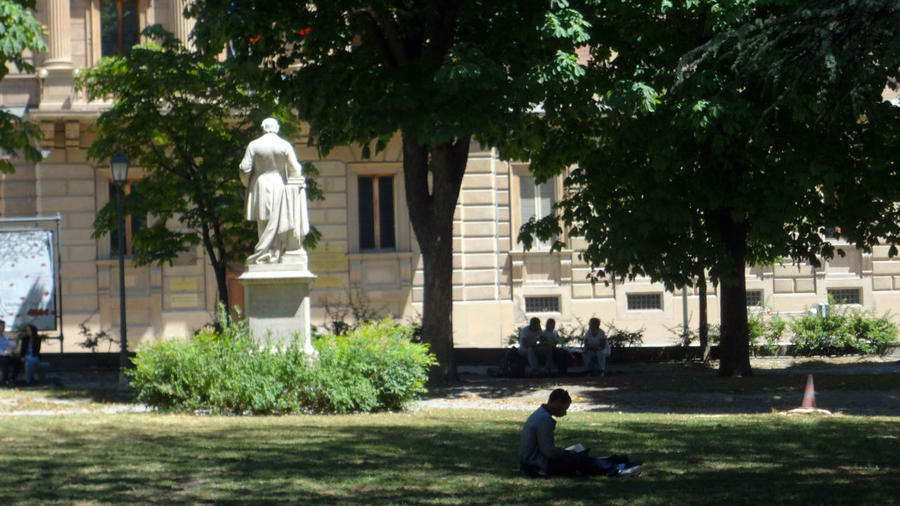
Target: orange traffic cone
x=809 y=395
x=808 y=407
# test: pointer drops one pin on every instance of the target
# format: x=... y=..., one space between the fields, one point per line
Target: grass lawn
x=443 y=457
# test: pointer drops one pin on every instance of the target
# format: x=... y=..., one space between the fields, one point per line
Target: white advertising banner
x=27 y=279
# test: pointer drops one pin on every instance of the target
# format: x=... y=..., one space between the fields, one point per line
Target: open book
x=576 y=448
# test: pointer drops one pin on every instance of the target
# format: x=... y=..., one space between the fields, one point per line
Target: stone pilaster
x=59 y=43
x=179 y=25
x=57 y=72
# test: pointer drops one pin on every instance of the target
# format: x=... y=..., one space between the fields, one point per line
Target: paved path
x=777 y=385
x=843 y=385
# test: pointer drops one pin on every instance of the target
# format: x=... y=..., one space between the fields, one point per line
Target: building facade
x=368 y=252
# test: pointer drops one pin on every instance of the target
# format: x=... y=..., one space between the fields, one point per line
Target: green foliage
x=346 y=315
x=842 y=331
x=185 y=118
x=766 y=331
x=619 y=338
x=373 y=368
x=19 y=32
x=571 y=335
x=439 y=74
x=691 y=166
x=92 y=340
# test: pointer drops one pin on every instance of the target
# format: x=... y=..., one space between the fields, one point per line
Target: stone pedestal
x=276 y=299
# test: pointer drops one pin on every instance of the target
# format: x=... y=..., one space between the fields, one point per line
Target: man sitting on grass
x=539 y=457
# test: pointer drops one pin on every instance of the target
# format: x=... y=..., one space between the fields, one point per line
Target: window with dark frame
x=119 y=26
x=541 y=304
x=845 y=295
x=536 y=201
x=644 y=301
x=754 y=298
x=376 y=212
x=133 y=224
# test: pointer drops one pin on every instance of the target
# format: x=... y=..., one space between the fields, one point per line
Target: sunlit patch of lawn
x=442 y=457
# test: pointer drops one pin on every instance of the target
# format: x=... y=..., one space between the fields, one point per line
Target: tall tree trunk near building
x=431 y=207
x=734 y=346
x=210 y=235
x=703 y=330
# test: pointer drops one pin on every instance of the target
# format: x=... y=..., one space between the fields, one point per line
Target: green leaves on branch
x=374 y=368
x=185 y=119
x=19 y=34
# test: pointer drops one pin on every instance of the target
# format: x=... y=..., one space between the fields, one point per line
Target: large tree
x=19 y=32
x=439 y=73
x=686 y=164
x=185 y=120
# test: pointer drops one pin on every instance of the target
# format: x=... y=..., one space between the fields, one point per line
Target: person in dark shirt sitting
x=30 y=353
x=8 y=358
x=539 y=457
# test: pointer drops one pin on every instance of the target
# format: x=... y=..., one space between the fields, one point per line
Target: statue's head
x=270 y=126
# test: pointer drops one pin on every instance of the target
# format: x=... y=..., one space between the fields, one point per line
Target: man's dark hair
x=559 y=395
x=549 y=321
x=2 y=322
x=533 y=320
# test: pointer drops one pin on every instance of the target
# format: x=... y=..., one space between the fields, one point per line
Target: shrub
x=765 y=333
x=619 y=338
x=842 y=331
x=373 y=368
x=872 y=334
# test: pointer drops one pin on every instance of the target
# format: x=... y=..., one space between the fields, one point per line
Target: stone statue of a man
x=276 y=199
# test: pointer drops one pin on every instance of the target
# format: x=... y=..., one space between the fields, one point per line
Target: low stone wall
x=74 y=362
x=464 y=356
x=493 y=356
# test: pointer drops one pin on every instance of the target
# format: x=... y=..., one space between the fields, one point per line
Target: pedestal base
x=276 y=302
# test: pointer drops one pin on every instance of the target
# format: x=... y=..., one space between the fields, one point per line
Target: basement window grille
x=844 y=295
x=644 y=301
x=541 y=304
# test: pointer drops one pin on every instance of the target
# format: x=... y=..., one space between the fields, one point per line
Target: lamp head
x=118 y=164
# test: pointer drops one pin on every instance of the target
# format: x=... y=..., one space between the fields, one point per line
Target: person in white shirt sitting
x=595 y=348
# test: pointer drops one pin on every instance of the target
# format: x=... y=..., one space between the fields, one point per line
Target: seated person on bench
x=8 y=357
x=30 y=351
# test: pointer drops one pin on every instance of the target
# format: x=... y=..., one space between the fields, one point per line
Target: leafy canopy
x=360 y=71
x=675 y=153
x=185 y=119
x=19 y=32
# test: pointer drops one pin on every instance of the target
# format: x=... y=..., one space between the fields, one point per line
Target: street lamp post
x=118 y=165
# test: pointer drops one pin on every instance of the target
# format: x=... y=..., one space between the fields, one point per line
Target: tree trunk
x=703 y=330
x=222 y=284
x=437 y=313
x=431 y=207
x=220 y=267
x=734 y=347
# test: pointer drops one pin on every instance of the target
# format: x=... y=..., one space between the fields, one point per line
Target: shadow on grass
x=859 y=389
x=812 y=365
x=443 y=458
x=94 y=386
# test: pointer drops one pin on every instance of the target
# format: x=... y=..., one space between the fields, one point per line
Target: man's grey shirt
x=536 y=446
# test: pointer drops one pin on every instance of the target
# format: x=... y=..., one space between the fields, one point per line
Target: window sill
x=533 y=252
x=110 y=261
x=379 y=255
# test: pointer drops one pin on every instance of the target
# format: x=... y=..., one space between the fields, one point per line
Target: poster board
x=27 y=279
